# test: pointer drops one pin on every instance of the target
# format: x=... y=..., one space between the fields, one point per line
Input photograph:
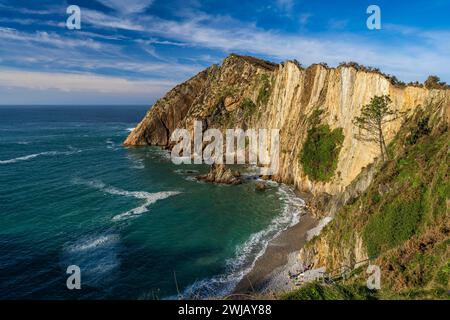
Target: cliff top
x=255 y=61
x=271 y=66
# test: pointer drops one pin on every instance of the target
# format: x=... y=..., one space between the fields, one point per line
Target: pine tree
x=372 y=119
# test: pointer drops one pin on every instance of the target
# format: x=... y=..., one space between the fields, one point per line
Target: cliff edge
x=248 y=92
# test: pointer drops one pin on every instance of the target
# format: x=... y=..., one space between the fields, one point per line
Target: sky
x=130 y=52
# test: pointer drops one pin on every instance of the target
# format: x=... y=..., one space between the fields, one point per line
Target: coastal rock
x=231 y=103
x=219 y=173
x=251 y=93
x=166 y=114
x=260 y=186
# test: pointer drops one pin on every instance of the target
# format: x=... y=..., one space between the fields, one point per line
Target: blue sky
x=132 y=52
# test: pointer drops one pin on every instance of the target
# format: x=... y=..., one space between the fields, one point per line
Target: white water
x=32 y=156
x=248 y=253
x=149 y=198
x=94 y=243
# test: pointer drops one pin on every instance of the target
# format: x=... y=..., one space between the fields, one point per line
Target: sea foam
x=248 y=253
x=96 y=255
x=93 y=243
x=149 y=198
x=35 y=155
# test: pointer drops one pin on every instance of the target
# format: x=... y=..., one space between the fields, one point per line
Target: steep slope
x=402 y=219
x=396 y=212
x=247 y=92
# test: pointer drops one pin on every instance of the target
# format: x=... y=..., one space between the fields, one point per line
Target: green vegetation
x=319 y=291
x=419 y=131
x=434 y=82
x=443 y=275
x=248 y=108
x=320 y=153
x=402 y=217
x=358 y=291
x=265 y=91
x=396 y=223
x=419 y=190
x=373 y=117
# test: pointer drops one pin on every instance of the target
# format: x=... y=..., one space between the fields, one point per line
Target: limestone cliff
x=247 y=92
x=397 y=211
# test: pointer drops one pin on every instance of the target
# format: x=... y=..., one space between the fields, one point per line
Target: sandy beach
x=271 y=269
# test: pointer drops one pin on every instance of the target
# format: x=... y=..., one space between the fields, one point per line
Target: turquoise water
x=71 y=194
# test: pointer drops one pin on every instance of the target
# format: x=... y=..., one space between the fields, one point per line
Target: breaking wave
x=96 y=255
x=94 y=243
x=35 y=155
x=149 y=198
x=248 y=253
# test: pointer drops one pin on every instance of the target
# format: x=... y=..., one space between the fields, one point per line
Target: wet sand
x=270 y=271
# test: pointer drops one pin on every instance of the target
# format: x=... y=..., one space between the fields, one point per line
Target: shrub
x=443 y=275
x=397 y=221
x=434 y=82
x=248 y=107
x=264 y=92
x=419 y=131
x=318 y=291
x=320 y=152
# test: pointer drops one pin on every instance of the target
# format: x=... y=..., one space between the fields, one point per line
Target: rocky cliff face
x=396 y=212
x=284 y=96
x=248 y=93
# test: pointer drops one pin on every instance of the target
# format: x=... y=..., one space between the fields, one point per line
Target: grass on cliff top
x=319 y=156
x=320 y=291
x=359 y=291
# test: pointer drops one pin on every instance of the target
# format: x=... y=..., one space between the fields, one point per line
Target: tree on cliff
x=434 y=82
x=373 y=117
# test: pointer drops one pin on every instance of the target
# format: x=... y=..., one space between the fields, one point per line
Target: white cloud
x=410 y=58
x=285 y=5
x=49 y=51
x=107 y=21
x=304 y=18
x=43 y=37
x=81 y=83
x=127 y=6
x=412 y=55
x=336 y=24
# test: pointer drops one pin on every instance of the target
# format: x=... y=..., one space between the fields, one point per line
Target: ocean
x=137 y=226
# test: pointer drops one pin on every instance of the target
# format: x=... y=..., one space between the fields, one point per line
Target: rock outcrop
x=247 y=92
x=219 y=173
x=260 y=186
